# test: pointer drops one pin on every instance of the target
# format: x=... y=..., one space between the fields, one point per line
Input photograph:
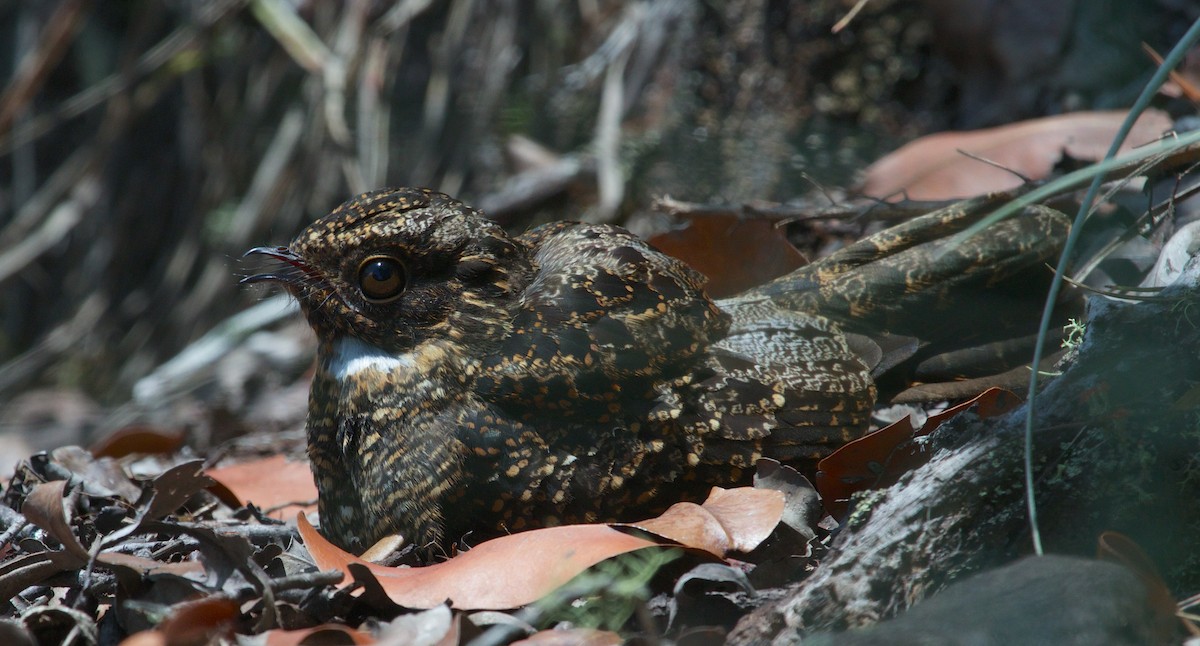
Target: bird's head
x=396 y=267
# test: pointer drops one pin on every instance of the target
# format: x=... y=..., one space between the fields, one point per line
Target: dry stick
x=165 y=51
x=193 y=365
x=529 y=188
x=329 y=65
x=401 y=14
x=879 y=211
x=436 y=106
x=610 y=180
x=33 y=211
x=54 y=228
x=845 y=21
x=500 y=49
x=293 y=34
x=373 y=128
x=24 y=366
x=37 y=65
x=249 y=218
x=347 y=47
x=305 y=581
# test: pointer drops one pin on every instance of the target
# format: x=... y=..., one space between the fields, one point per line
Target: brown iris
x=381 y=279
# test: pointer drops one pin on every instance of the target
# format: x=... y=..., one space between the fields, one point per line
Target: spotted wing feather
x=604 y=315
x=781 y=384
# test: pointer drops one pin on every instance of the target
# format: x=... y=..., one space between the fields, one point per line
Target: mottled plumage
x=469 y=381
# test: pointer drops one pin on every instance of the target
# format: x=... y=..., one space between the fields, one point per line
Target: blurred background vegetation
x=145 y=144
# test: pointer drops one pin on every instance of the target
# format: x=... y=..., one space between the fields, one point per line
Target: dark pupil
x=381 y=278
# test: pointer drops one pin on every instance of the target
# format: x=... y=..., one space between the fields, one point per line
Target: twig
x=250 y=532
x=193 y=366
x=401 y=14
x=845 y=21
x=607 y=142
x=293 y=34
x=54 y=228
x=251 y=211
x=60 y=30
x=155 y=58
x=307 y=580
x=529 y=188
x=994 y=164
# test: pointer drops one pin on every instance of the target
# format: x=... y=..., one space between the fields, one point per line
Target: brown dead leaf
x=145 y=638
x=273 y=483
x=749 y=515
x=203 y=621
x=1184 y=80
x=734 y=252
x=1118 y=548
x=434 y=627
x=192 y=623
x=933 y=168
x=96 y=476
x=175 y=486
x=323 y=634
x=44 y=507
x=688 y=524
x=485 y=577
x=506 y=572
x=132 y=440
x=878 y=459
x=730 y=520
x=802 y=508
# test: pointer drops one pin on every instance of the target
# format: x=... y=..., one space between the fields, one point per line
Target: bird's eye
x=381 y=279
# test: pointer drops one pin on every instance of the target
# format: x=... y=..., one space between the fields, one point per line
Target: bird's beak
x=291 y=267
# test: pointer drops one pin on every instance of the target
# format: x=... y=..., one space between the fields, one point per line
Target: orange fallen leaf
x=486 y=576
x=933 y=168
x=323 y=634
x=878 y=459
x=688 y=524
x=203 y=621
x=505 y=572
x=272 y=483
x=730 y=520
x=137 y=439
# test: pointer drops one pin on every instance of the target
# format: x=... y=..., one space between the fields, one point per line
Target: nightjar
x=470 y=382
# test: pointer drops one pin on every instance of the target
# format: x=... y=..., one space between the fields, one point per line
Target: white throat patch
x=352 y=356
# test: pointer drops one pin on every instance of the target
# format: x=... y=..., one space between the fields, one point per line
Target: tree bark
x=1116 y=447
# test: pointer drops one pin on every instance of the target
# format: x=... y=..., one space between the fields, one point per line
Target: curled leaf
x=44 y=507
x=730 y=520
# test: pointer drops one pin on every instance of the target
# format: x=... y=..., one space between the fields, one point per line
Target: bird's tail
x=962 y=306
x=807 y=354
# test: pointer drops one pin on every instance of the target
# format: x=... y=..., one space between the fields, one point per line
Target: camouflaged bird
x=470 y=382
